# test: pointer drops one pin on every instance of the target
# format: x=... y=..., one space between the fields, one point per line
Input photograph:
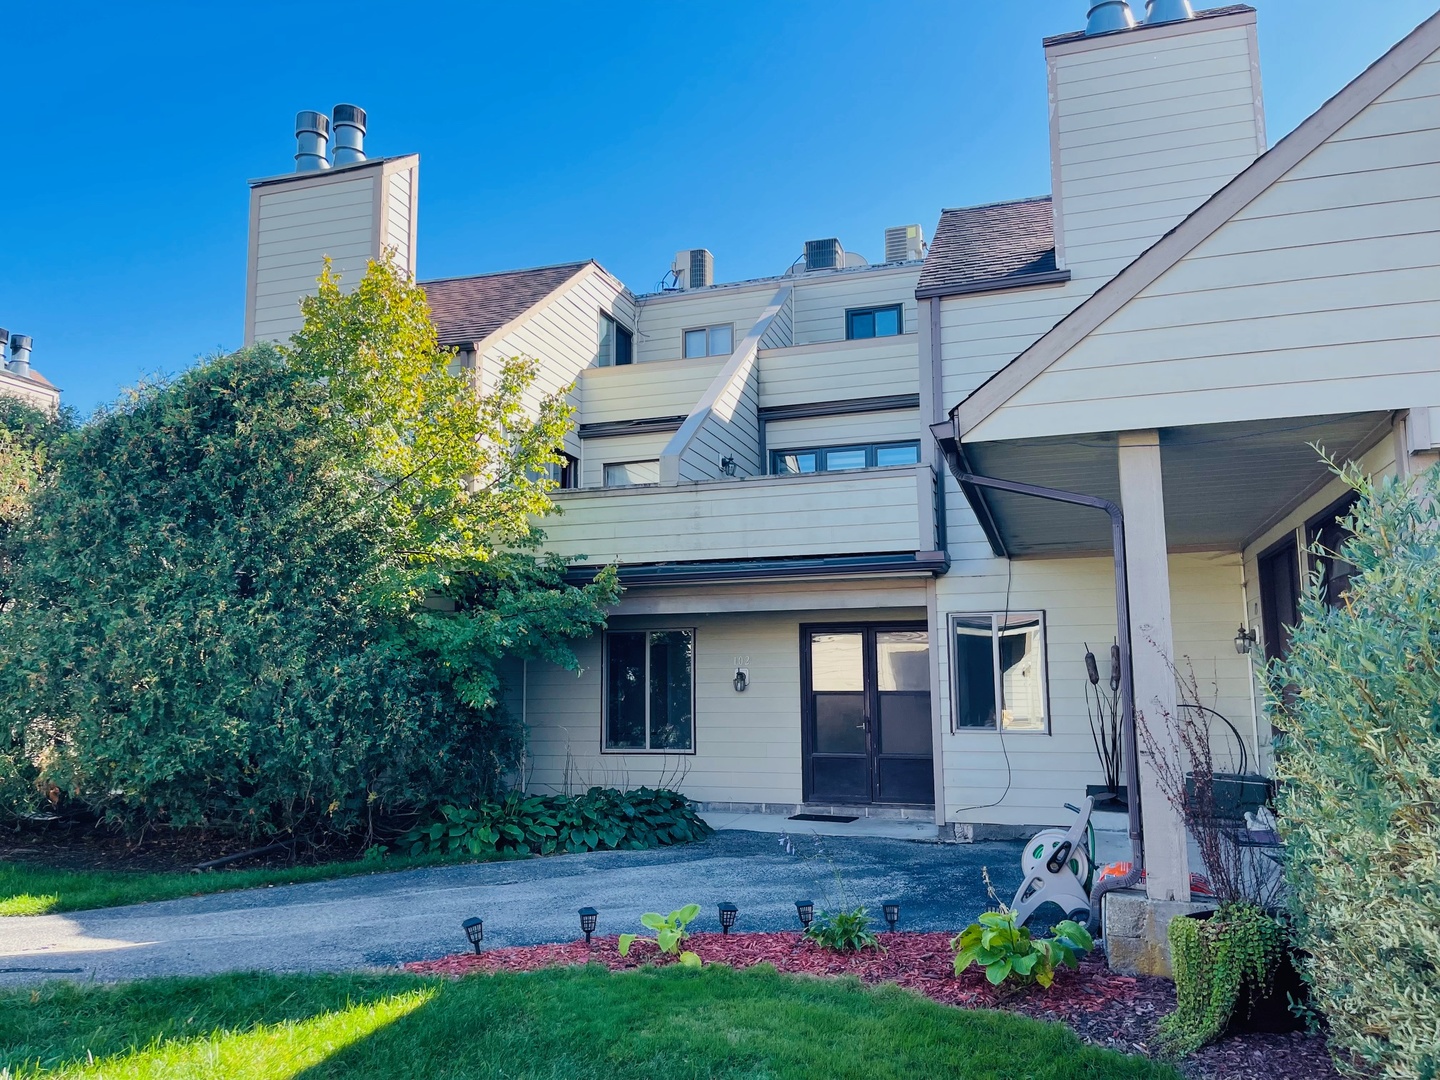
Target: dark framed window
x=997 y=671
x=1327 y=533
x=565 y=472
x=649 y=691
x=617 y=344
x=874 y=322
x=837 y=458
x=1279 y=596
x=709 y=341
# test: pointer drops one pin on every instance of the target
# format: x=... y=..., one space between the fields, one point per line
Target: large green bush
x=1359 y=769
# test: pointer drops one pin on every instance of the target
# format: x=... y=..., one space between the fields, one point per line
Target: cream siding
x=840 y=371
x=980 y=334
x=663 y=320
x=899 y=425
x=731 y=430
x=399 y=217
x=663 y=388
x=613 y=450
x=780 y=333
x=821 y=299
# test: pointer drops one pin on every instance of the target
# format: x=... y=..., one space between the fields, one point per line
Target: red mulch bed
x=1118 y=1011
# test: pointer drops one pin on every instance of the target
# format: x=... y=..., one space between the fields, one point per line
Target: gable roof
x=469 y=309
x=997 y=246
x=1202 y=223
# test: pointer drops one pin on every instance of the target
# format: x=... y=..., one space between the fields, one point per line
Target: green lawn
x=560 y=1024
x=30 y=889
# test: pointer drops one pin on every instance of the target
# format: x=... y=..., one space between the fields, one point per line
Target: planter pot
x=1267 y=1011
x=1107 y=797
x=1234 y=794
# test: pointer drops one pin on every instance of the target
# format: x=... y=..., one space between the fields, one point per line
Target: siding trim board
x=1020 y=281
x=840 y=408
x=916 y=563
x=611 y=428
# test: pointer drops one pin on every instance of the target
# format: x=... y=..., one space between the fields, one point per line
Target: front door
x=866 y=714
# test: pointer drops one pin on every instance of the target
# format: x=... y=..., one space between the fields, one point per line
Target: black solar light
x=727 y=917
x=892 y=913
x=806 y=910
x=475 y=931
x=588 y=918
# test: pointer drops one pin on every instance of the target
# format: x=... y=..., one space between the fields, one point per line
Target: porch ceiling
x=1225 y=484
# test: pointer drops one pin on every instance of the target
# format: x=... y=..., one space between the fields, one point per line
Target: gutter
x=919 y=562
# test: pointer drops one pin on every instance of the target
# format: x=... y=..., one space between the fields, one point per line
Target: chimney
x=4 y=340
x=19 y=356
x=349 y=134
x=1146 y=123
x=312 y=135
x=1108 y=16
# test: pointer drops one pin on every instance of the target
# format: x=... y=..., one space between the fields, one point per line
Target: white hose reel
x=1058 y=865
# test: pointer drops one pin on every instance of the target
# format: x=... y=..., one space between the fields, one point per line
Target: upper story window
x=710 y=341
x=565 y=472
x=631 y=473
x=998 y=671
x=874 y=322
x=836 y=458
x=617 y=345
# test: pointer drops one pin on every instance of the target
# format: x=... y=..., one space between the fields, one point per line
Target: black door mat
x=823 y=817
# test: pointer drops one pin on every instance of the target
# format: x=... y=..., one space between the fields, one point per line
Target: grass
x=31 y=889
x=559 y=1024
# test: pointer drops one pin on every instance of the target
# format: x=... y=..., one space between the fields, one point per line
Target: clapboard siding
x=663 y=320
x=397 y=217
x=873 y=511
x=840 y=371
x=731 y=430
x=645 y=391
x=981 y=334
x=595 y=454
x=898 y=425
x=821 y=299
x=781 y=331
x=1318 y=297
x=1145 y=128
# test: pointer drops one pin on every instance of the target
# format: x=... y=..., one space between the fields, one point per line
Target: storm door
x=866 y=727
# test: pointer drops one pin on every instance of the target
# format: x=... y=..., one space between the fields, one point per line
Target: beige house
x=18 y=379
x=819 y=614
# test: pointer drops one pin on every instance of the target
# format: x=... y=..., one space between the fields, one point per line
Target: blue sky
x=547 y=132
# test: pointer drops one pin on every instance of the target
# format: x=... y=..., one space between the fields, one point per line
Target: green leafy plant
x=1007 y=951
x=670 y=932
x=843 y=931
x=1221 y=964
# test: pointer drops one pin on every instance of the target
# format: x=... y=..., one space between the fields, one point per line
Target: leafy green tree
x=28 y=437
x=1358 y=699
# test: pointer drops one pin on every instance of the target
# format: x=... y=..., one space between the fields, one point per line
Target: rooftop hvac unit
x=694 y=268
x=904 y=243
x=824 y=255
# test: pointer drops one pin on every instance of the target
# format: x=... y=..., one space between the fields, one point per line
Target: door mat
x=823 y=817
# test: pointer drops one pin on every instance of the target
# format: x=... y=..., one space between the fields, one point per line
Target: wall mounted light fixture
x=728 y=465
x=1246 y=640
x=742 y=680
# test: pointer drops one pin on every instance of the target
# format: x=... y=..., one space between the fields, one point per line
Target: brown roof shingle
x=467 y=309
x=995 y=246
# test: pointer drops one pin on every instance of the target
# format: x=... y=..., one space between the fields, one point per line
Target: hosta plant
x=1007 y=951
x=670 y=932
x=843 y=931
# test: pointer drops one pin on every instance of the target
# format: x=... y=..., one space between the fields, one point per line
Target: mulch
x=1102 y=1007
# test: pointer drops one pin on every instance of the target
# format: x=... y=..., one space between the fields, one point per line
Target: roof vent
x=19 y=356
x=693 y=268
x=1167 y=11
x=4 y=340
x=349 y=134
x=312 y=137
x=904 y=243
x=824 y=254
x=1107 y=16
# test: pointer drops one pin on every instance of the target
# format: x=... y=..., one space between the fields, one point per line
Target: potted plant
x=1102 y=705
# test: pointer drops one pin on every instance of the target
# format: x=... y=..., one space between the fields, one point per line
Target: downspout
x=945 y=436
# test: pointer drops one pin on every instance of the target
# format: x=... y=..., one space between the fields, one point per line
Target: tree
x=28 y=437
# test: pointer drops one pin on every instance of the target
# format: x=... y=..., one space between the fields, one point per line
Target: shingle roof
x=995 y=246
x=469 y=309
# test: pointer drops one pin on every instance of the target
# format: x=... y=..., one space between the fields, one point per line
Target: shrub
x=602 y=818
x=843 y=931
x=1358 y=702
x=1007 y=951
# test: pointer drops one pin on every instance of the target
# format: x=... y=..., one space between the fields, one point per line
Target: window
x=650 y=690
x=836 y=458
x=565 y=472
x=617 y=345
x=1328 y=531
x=631 y=473
x=998 y=669
x=1279 y=596
x=874 y=322
x=710 y=341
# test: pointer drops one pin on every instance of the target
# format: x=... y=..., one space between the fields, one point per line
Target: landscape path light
x=589 y=917
x=728 y=912
x=892 y=913
x=806 y=910
x=475 y=931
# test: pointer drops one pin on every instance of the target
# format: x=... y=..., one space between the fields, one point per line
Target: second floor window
x=837 y=458
x=710 y=341
x=617 y=345
x=631 y=473
x=874 y=322
x=565 y=473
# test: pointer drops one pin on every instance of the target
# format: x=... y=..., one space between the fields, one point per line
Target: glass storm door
x=866 y=715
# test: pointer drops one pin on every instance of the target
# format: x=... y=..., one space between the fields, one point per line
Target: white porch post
x=1152 y=649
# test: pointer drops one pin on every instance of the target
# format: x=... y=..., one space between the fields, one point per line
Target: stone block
x=1136 y=931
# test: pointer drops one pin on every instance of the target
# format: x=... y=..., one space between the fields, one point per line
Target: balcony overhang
x=1224 y=484
x=914 y=564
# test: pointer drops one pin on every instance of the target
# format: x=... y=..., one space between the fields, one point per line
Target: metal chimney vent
x=1167 y=11
x=1107 y=16
x=904 y=243
x=19 y=356
x=4 y=340
x=312 y=138
x=349 y=134
x=824 y=254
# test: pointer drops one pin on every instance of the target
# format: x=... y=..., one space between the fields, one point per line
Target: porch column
x=1152 y=650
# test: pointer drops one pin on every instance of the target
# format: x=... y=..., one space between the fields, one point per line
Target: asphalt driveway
x=387 y=919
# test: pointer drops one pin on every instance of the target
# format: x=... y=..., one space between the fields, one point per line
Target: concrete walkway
x=385 y=919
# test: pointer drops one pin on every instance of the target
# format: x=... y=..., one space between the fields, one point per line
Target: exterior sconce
x=589 y=917
x=892 y=913
x=728 y=465
x=727 y=917
x=475 y=932
x=742 y=680
x=1245 y=640
x=806 y=910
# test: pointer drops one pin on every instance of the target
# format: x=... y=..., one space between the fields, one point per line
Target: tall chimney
x=349 y=123
x=19 y=356
x=1167 y=11
x=1107 y=16
x=312 y=136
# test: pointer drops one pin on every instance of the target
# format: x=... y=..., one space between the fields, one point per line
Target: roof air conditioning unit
x=824 y=255
x=694 y=268
x=904 y=243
